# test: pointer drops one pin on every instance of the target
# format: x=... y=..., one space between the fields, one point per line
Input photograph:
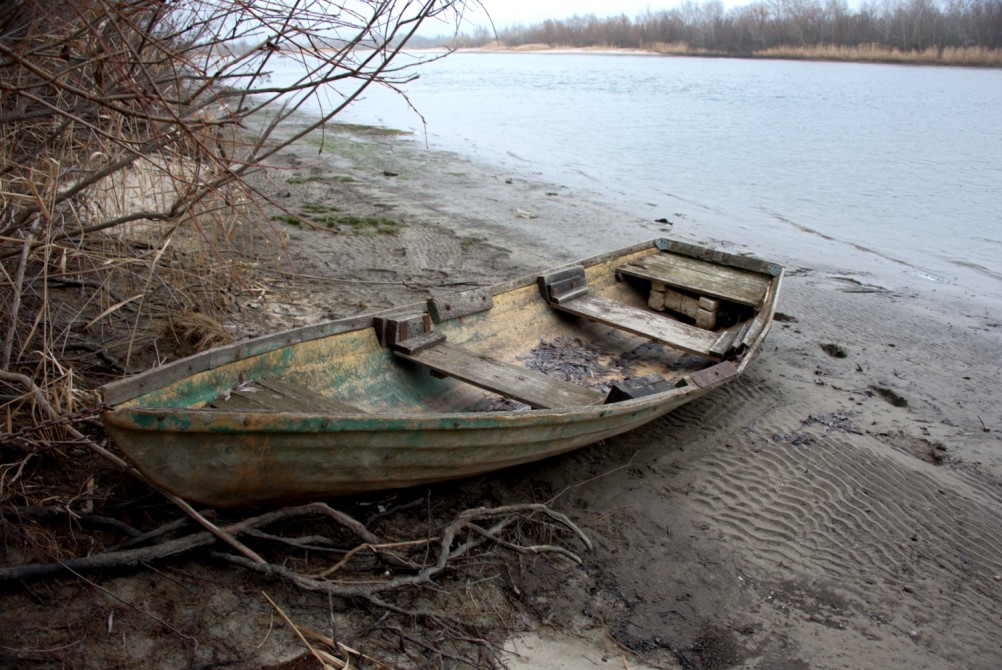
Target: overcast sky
x=507 y=12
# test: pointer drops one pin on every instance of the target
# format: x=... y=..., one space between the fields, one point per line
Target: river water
x=903 y=163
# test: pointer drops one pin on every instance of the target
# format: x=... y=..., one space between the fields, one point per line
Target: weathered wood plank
x=529 y=386
x=648 y=324
x=720 y=257
x=400 y=327
x=701 y=277
x=413 y=345
x=281 y=396
x=638 y=387
x=563 y=285
x=702 y=309
x=715 y=374
x=460 y=304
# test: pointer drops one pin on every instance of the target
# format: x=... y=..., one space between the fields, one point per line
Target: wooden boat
x=465 y=384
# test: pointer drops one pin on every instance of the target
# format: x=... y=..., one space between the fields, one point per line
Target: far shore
x=864 y=53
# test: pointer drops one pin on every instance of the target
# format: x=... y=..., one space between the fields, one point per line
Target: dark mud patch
x=856 y=286
x=834 y=350
x=930 y=451
x=841 y=421
x=890 y=396
x=716 y=649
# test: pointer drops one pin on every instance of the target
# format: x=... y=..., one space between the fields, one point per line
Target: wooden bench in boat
x=274 y=394
x=534 y=388
x=567 y=291
x=707 y=279
x=654 y=325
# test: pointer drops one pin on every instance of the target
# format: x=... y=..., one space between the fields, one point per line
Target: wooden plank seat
x=706 y=279
x=650 y=324
x=274 y=394
x=531 y=387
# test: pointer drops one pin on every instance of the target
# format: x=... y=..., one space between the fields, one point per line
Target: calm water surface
x=904 y=162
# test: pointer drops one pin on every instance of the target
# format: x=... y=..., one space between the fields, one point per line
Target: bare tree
x=126 y=128
x=118 y=113
x=802 y=28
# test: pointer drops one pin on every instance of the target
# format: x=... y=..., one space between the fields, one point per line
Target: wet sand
x=838 y=507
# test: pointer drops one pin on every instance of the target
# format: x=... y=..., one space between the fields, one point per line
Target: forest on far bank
x=967 y=32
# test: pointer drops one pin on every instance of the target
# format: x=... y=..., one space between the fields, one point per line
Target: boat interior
x=608 y=330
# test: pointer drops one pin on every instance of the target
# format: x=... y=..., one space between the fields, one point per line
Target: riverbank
x=838 y=507
x=841 y=506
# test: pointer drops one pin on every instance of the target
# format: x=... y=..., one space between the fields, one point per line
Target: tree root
x=447 y=551
x=373 y=570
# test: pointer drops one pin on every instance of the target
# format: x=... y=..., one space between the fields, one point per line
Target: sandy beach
x=840 y=506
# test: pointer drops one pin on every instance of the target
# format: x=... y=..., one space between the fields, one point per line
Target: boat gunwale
x=270 y=422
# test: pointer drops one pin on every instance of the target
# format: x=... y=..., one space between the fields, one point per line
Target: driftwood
x=446 y=552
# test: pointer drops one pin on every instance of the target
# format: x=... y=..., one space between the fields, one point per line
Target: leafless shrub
x=127 y=132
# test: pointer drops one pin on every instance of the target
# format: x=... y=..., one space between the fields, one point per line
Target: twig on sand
x=592 y=479
x=326 y=660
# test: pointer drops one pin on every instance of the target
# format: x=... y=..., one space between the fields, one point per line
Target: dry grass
x=864 y=53
x=875 y=53
x=675 y=49
x=195 y=332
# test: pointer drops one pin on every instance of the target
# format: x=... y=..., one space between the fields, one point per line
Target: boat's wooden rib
x=279 y=396
x=648 y=324
x=702 y=277
x=528 y=386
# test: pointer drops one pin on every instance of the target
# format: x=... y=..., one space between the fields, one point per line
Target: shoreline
x=594 y=217
x=866 y=396
x=838 y=506
x=864 y=54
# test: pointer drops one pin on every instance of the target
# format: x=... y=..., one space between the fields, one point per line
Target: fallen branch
x=130 y=558
x=448 y=552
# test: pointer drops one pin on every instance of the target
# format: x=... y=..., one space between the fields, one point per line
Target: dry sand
x=840 y=506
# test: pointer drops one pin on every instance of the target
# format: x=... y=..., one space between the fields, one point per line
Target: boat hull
x=403 y=425
x=237 y=459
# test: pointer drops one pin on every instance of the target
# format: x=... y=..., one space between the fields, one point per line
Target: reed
x=875 y=53
x=674 y=49
x=863 y=53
